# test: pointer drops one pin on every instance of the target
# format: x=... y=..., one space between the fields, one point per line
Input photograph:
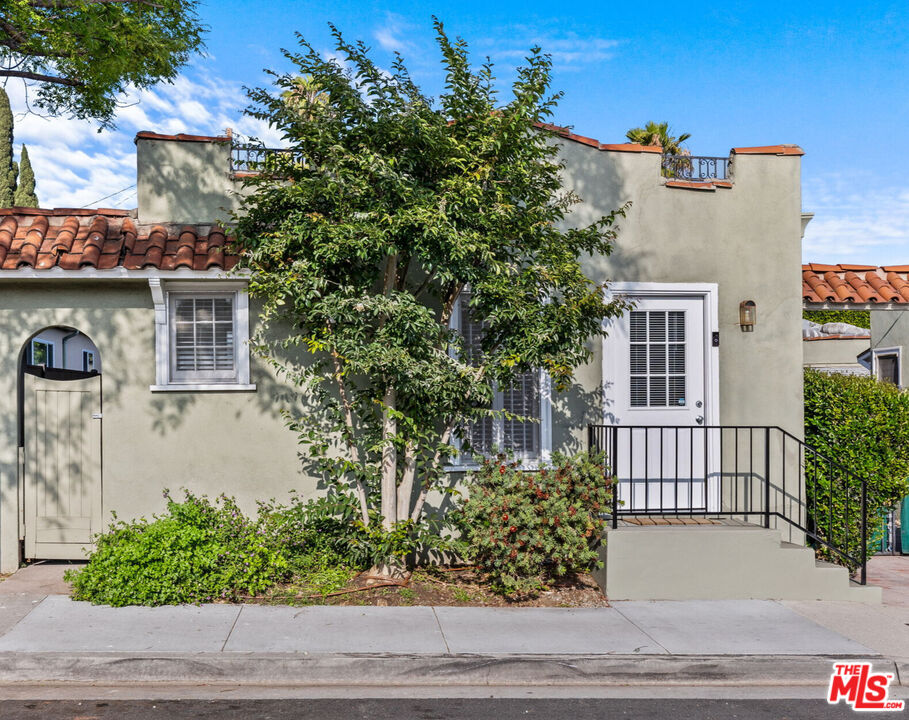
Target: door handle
x=699 y=419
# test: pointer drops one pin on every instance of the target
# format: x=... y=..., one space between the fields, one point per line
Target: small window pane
x=657 y=359
x=638 y=392
x=657 y=392
x=639 y=359
x=677 y=391
x=657 y=326
x=638 y=326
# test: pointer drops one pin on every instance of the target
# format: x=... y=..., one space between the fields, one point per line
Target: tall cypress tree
x=25 y=191
x=8 y=168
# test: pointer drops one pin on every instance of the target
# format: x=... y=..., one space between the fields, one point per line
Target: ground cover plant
x=862 y=425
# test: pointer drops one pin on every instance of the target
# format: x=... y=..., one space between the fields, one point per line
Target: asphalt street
x=431 y=709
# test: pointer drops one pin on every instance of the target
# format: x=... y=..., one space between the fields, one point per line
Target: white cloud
x=75 y=165
x=389 y=35
x=858 y=218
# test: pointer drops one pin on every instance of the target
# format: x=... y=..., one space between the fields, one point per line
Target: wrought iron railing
x=754 y=474
x=249 y=158
x=695 y=167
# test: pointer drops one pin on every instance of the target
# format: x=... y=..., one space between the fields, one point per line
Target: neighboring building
x=835 y=347
x=882 y=290
x=709 y=257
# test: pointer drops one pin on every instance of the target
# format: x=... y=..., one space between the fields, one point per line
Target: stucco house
x=884 y=291
x=140 y=313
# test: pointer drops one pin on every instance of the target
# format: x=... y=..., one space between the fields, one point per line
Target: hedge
x=863 y=425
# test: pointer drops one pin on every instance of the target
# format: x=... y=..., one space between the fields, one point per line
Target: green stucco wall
x=746 y=239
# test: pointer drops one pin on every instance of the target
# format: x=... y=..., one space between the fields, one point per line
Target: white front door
x=656 y=393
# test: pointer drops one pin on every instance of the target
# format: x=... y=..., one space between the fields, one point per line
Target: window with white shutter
x=526 y=396
x=201 y=335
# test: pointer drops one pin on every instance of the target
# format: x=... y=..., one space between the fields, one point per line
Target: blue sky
x=832 y=77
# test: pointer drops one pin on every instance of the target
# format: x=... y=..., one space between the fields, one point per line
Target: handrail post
x=614 y=469
x=864 y=531
x=767 y=477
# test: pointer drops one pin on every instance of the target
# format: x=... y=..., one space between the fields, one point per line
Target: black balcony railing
x=759 y=474
x=695 y=167
x=248 y=158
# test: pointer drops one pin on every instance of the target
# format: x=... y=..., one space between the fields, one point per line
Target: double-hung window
x=202 y=343
x=527 y=440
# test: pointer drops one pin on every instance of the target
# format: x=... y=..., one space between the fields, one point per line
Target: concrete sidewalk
x=56 y=640
x=48 y=638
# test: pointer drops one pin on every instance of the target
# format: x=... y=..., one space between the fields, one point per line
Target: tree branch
x=64 y=4
x=39 y=77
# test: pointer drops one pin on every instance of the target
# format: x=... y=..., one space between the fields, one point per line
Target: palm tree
x=658 y=134
x=675 y=160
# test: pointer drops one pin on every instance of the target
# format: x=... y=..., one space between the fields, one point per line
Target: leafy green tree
x=8 y=168
x=658 y=134
x=81 y=54
x=364 y=238
x=25 y=189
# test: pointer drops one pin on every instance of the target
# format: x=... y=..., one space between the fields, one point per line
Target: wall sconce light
x=747 y=315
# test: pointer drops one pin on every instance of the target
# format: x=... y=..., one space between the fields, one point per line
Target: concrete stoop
x=719 y=562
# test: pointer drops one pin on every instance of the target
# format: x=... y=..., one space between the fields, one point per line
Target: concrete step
x=713 y=562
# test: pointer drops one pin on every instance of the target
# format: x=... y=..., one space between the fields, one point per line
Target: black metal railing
x=249 y=158
x=695 y=167
x=753 y=474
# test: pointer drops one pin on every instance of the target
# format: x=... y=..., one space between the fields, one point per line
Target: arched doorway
x=60 y=443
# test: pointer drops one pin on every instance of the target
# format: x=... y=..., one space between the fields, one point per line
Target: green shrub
x=863 y=425
x=196 y=552
x=859 y=318
x=525 y=528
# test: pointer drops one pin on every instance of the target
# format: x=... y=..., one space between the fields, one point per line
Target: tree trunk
x=389 y=460
x=408 y=474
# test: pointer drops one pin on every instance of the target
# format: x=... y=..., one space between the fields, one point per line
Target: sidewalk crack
x=233 y=625
x=441 y=631
x=642 y=630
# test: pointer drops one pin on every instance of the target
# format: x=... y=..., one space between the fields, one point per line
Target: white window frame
x=463 y=463
x=84 y=363
x=53 y=351
x=876 y=353
x=162 y=295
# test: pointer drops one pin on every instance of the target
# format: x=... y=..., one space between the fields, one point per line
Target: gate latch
x=97 y=416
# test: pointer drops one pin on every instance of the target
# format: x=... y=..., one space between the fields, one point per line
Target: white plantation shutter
x=480 y=434
x=522 y=437
x=523 y=397
x=203 y=344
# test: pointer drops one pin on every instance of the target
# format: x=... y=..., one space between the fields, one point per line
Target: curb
x=274 y=669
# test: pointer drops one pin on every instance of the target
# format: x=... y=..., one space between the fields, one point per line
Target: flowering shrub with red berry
x=525 y=528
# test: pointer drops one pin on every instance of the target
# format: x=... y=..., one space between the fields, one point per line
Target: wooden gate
x=62 y=466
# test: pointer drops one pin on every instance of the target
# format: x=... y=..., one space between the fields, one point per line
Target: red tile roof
x=855 y=283
x=635 y=147
x=147 y=135
x=770 y=150
x=105 y=239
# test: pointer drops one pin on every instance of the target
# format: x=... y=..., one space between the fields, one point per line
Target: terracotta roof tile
x=853 y=283
x=105 y=239
x=770 y=150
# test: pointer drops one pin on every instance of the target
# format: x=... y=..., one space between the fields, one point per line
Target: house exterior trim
x=160 y=297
